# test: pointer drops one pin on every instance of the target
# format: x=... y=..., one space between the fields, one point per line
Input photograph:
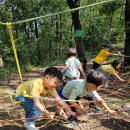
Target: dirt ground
x=91 y=121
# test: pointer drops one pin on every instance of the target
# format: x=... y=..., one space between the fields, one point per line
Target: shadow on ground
x=9 y=127
x=116 y=124
x=56 y=127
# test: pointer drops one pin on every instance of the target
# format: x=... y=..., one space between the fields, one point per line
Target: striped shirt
x=76 y=88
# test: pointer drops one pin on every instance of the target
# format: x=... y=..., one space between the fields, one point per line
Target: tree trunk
x=77 y=31
x=36 y=29
x=127 y=40
x=1 y=61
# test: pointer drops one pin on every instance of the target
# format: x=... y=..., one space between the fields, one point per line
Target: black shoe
x=97 y=108
x=72 y=120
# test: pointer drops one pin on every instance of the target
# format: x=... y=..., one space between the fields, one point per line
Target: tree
x=127 y=25
x=1 y=61
x=77 y=31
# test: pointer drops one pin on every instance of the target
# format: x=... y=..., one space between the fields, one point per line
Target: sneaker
x=96 y=108
x=126 y=108
x=29 y=126
x=72 y=120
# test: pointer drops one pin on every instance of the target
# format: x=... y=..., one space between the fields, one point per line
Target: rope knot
x=9 y=25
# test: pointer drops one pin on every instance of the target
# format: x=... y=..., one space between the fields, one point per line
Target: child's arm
x=66 y=67
x=78 y=107
x=64 y=105
x=106 y=107
x=116 y=54
x=82 y=72
x=42 y=108
x=102 y=102
x=118 y=77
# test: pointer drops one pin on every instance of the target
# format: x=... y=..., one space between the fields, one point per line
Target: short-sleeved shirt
x=108 y=69
x=73 y=64
x=34 y=88
x=76 y=88
x=102 y=56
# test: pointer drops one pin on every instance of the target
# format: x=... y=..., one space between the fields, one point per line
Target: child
x=30 y=93
x=76 y=89
x=73 y=66
x=111 y=69
x=102 y=56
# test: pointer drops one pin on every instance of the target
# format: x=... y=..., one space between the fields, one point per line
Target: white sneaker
x=126 y=108
x=29 y=126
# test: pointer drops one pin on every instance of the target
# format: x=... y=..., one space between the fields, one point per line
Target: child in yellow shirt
x=111 y=69
x=102 y=56
x=30 y=93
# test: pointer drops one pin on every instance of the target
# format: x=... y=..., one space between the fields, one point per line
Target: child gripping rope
x=30 y=93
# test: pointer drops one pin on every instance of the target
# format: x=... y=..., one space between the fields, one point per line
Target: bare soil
x=9 y=111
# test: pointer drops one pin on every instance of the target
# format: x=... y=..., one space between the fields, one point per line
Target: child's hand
x=51 y=115
x=120 y=54
x=83 y=111
x=112 y=112
x=72 y=113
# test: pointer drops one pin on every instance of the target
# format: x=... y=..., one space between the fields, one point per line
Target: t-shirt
x=76 y=88
x=34 y=88
x=102 y=56
x=109 y=69
x=72 y=70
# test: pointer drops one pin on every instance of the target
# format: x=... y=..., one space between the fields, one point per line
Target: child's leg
x=92 y=105
x=78 y=74
x=31 y=110
x=95 y=65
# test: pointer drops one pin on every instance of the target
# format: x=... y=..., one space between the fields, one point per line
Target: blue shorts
x=60 y=93
x=30 y=108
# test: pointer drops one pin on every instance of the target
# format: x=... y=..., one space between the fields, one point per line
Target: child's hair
x=72 y=52
x=106 y=46
x=114 y=64
x=96 y=78
x=54 y=72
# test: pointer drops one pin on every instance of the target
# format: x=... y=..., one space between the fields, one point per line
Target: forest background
x=44 y=42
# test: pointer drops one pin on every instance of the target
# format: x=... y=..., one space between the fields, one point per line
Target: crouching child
x=30 y=93
x=77 y=89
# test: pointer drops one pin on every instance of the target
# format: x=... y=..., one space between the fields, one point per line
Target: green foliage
x=109 y=8
x=44 y=42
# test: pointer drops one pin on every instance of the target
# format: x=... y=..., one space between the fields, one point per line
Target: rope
x=49 y=99
x=61 y=12
x=9 y=27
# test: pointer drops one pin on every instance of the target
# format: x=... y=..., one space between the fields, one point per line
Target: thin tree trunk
x=127 y=25
x=110 y=24
x=1 y=61
x=36 y=29
x=78 y=31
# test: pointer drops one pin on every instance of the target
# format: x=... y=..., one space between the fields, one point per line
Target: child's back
x=73 y=66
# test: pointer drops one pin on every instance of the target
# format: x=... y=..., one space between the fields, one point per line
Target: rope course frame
x=9 y=27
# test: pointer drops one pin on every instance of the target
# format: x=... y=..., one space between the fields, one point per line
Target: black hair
x=54 y=72
x=106 y=46
x=114 y=64
x=72 y=52
x=96 y=78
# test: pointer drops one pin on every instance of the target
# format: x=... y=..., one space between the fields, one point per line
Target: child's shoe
x=96 y=108
x=29 y=126
x=126 y=108
x=72 y=120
